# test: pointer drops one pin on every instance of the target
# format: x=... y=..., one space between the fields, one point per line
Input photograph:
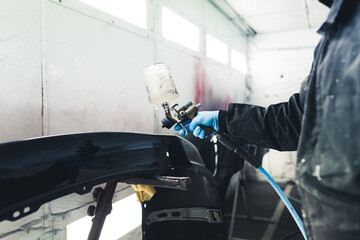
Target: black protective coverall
x=322 y=122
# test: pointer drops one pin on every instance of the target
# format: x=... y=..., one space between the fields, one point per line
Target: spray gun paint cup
x=160 y=84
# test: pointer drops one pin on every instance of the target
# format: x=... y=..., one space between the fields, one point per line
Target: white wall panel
x=277 y=70
x=277 y=74
x=95 y=80
x=85 y=67
x=20 y=70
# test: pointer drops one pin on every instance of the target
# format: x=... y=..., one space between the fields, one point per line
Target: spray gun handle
x=209 y=132
x=192 y=114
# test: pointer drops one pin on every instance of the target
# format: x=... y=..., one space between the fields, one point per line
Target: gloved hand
x=209 y=119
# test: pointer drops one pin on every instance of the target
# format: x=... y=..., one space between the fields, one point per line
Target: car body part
x=36 y=171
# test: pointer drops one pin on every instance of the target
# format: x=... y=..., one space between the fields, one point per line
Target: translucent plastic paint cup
x=160 y=84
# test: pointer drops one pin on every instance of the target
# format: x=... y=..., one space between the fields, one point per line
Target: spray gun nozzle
x=168 y=121
x=165 y=105
x=189 y=104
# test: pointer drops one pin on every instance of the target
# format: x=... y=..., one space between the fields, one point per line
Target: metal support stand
x=103 y=197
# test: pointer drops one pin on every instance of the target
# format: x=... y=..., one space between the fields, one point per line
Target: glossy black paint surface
x=35 y=171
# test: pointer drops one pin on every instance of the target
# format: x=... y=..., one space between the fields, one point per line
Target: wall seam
x=155 y=26
x=44 y=100
x=307 y=13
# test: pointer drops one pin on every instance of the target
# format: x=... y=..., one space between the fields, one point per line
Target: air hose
x=285 y=200
x=238 y=150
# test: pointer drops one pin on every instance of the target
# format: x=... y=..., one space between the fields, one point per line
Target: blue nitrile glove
x=209 y=119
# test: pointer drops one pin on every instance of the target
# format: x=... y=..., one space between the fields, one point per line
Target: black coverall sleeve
x=277 y=127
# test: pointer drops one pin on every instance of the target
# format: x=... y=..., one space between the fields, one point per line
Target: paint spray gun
x=161 y=90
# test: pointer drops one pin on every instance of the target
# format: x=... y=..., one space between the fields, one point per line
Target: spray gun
x=168 y=121
x=161 y=90
x=182 y=116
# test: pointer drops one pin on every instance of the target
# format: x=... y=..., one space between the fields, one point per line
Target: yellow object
x=144 y=192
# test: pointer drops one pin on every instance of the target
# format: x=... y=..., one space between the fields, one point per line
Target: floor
x=267 y=217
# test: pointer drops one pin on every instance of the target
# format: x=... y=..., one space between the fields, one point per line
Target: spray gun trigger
x=183 y=127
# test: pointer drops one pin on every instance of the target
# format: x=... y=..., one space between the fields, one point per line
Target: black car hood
x=36 y=171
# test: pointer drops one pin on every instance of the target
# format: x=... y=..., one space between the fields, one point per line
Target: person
x=321 y=122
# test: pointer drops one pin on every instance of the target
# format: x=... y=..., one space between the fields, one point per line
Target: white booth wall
x=278 y=63
x=66 y=67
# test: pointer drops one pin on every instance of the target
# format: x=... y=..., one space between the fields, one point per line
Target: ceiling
x=266 y=16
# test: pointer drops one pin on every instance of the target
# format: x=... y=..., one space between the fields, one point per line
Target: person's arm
x=277 y=127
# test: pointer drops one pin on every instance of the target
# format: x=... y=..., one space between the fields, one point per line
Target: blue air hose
x=285 y=200
x=238 y=150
